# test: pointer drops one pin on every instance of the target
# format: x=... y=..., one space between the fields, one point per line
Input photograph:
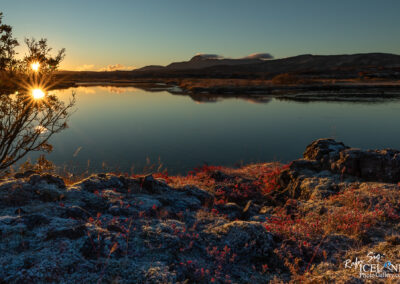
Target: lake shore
x=304 y=221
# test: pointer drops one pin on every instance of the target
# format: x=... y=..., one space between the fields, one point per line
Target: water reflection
x=122 y=131
x=27 y=121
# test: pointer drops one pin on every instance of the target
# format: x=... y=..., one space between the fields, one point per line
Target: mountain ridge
x=304 y=62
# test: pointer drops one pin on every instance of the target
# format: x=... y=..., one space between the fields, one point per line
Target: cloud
x=85 y=67
x=210 y=56
x=263 y=56
x=117 y=67
x=260 y=55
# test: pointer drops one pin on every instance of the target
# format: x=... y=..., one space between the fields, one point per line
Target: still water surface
x=121 y=128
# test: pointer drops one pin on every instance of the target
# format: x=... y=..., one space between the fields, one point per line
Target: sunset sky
x=100 y=33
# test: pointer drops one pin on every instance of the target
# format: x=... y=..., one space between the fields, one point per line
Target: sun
x=37 y=94
x=35 y=66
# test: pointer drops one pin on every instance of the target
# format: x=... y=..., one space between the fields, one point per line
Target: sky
x=118 y=34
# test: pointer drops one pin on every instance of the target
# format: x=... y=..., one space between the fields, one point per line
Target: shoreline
x=346 y=91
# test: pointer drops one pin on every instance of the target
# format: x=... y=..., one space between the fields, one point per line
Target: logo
x=374 y=265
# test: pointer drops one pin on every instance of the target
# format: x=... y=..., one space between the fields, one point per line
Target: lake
x=124 y=129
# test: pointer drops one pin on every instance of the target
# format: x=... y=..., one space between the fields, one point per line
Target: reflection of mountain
x=351 y=95
x=118 y=90
x=332 y=98
x=211 y=98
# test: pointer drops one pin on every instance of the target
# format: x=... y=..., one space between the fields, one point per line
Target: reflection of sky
x=124 y=129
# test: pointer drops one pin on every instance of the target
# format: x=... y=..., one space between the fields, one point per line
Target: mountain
x=310 y=62
x=200 y=62
x=201 y=65
x=151 y=68
x=371 y=65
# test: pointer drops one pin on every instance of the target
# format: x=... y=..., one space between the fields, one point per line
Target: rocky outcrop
x=370 y=165
x=327 y=164
x=107 y=227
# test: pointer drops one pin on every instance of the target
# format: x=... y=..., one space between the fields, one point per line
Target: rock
x=49 y=192
x=25 y=174
x=230 y=209
x=182 y=204
x=204 y=196
x=95 y=203
x=101 y=181
x=303 y=166
x=371 y=165
x=72 y=233
x=146 y=203
x=260 y=217
x=158 y=273
x=35 y=220
x=114 y=228
x=266 y=210
x=37 y=180
x=76 y=212
x=323 y=150
x=15 y=193
x=152 y=186
x=93 y=248
x=317 y=188
x=250 y=210
x=117 y=210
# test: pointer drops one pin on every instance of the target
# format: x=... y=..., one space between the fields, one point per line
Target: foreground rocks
x=256 y=224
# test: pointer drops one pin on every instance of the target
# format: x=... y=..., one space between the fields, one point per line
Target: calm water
x=122 y=128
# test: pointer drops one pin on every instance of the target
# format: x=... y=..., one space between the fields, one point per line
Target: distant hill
x=151 y=68
x=371 y=65
x=200 y=62
x=310 y=62
x=302 y=63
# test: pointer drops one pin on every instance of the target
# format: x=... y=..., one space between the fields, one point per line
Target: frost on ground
x=258 y=223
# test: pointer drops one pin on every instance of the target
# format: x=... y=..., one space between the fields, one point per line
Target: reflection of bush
x=27 y=125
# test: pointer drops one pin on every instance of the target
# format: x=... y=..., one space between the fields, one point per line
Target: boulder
x=323 y=150
x=371 y=165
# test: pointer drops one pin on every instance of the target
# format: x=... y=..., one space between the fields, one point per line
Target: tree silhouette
x=38 y=51
x=27 y=122
x=7 y=47
x=27 y=125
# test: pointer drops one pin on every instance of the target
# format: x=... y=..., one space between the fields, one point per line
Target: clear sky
x=98 y=33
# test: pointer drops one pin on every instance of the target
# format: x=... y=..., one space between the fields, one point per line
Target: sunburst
x=35 y=66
